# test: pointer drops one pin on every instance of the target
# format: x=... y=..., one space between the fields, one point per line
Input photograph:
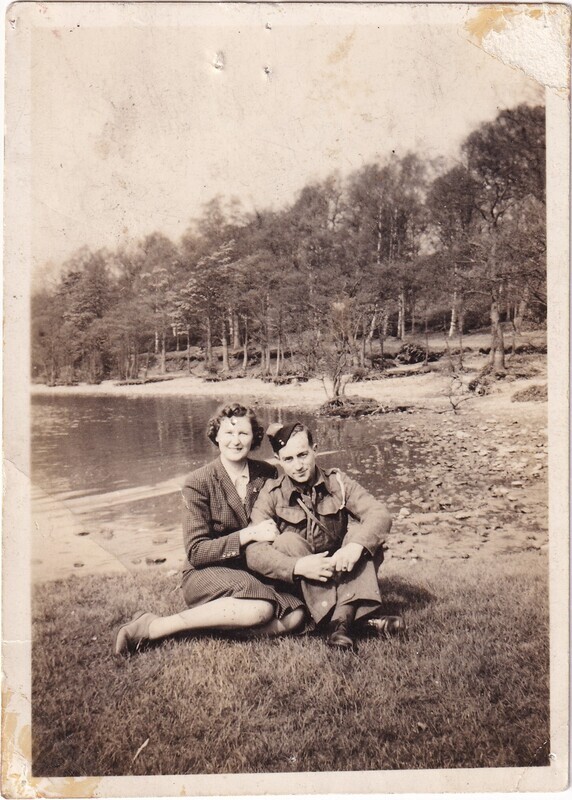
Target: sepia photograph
x=286 y=417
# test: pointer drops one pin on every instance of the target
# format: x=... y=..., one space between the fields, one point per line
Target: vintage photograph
x=292 y=280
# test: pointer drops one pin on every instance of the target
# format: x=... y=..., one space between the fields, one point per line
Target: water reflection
x=97 y=444
x=117 y=462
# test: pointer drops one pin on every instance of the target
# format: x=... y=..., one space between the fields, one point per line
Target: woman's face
x=234 y=438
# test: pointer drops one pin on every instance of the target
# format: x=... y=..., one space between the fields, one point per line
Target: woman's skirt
x=209 y=583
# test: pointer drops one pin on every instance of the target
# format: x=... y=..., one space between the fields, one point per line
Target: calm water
x=119 y=462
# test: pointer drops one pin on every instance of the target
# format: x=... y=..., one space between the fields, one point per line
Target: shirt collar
x=235 y=477
x=290 y=488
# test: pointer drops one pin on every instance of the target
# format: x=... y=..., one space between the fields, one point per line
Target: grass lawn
x=467 y=686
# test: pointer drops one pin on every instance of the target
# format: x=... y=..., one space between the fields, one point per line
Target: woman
x=219 y=591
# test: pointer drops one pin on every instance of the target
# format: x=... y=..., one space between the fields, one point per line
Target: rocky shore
x=481 y=487
x=477 y=465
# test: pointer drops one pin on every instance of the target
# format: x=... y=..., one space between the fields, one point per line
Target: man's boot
x=339 y=628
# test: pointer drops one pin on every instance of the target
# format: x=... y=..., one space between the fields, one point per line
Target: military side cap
x=278 y=434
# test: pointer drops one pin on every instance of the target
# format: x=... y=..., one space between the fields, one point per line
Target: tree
x=84 y=296
x=157 y=260
x=209 y=293
x=507 y=159
x=452 y=206
x=385 y=220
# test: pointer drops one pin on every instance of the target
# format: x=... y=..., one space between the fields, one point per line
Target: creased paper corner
x=533 y=38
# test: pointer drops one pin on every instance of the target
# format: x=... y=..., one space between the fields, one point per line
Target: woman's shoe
x=387 y=626
x=131 y=636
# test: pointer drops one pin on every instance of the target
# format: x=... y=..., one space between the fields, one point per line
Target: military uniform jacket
x=335 y=498
x=214 y=514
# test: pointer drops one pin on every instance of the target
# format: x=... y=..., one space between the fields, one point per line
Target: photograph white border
x=16 y=622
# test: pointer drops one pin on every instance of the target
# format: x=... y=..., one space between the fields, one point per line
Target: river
x=110 y=468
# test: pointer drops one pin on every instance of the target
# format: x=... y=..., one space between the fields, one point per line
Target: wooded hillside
x=399 y=247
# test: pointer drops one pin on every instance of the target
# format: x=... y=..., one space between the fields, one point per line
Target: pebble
x=78 y=564
x=82 y=533
x=404 y=512
x=160 y=540
x=463 y=515
x=159 y=560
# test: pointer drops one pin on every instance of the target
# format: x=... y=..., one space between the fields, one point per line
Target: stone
x=404 y=512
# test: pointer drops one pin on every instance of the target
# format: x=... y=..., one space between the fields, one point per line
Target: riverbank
x=481 y=470
x=471 y=485
x=433 y=389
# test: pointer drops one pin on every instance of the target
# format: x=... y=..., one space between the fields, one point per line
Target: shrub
x=411 y=353
x=537 y=393
x=346 y=407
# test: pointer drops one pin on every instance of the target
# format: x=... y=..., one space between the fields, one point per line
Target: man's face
x=298 y=458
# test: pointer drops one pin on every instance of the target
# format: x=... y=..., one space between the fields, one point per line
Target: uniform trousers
x=358 y=587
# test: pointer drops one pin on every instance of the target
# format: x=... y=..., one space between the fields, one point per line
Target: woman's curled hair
x=235 y=410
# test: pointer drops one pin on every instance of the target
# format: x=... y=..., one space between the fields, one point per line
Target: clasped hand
x=321 y=567
x=345 y=559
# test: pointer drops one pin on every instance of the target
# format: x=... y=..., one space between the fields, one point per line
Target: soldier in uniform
x=335 y=568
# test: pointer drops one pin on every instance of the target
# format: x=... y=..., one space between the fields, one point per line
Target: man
x=336 y=568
